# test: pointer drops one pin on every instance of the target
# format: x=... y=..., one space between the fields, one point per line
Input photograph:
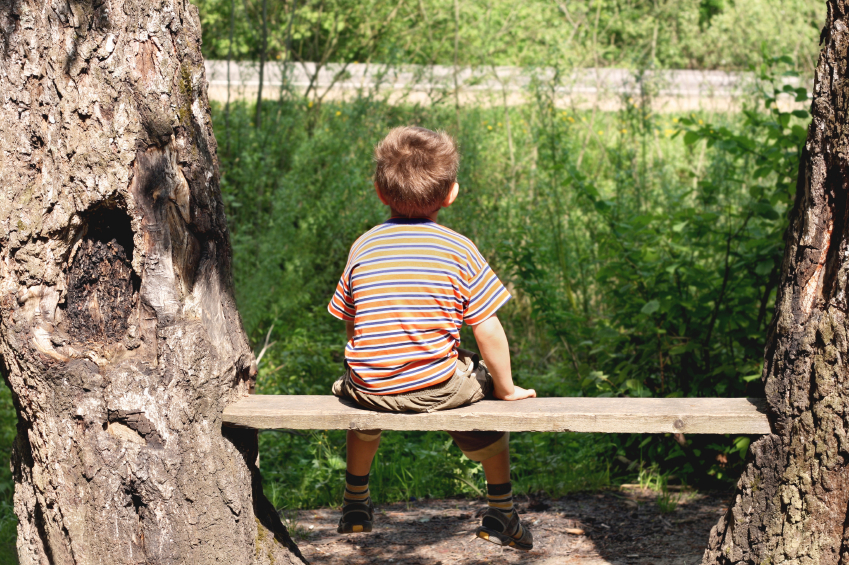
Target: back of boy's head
x=416 y=168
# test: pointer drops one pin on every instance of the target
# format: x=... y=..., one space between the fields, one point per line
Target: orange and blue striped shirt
x=409 y=286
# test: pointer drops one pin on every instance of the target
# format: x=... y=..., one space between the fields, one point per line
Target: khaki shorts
x=470 y=383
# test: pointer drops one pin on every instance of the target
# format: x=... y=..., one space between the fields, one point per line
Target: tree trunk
x=119 y=335
x=791 y=502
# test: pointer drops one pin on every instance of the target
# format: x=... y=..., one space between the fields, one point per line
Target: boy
x=408 y=287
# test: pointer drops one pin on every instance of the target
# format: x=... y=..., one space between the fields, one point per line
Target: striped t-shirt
x=408 y=287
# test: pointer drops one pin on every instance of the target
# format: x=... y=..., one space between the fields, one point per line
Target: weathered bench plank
x=609 y=415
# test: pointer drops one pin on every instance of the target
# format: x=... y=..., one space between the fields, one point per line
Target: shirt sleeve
x=342 y=304
x=486 y=293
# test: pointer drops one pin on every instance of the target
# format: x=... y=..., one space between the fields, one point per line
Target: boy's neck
x=431 y=217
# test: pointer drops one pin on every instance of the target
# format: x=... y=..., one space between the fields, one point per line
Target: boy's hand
x=519 y=393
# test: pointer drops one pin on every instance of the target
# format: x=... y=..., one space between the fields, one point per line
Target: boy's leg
x=357 y=508
x=361 y=451
x=501 y=523
x=497 y=468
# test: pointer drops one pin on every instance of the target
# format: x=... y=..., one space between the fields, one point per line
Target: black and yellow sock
x=500 y=497
x=356 y=489
x=357 y=510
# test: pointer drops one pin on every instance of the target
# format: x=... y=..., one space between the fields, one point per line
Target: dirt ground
x=620 y=528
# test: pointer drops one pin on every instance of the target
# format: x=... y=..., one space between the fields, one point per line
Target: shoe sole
x=362 y=527
x=500 y=539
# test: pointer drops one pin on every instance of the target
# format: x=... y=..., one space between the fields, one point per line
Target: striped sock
x=356 y=489
x=500 y=497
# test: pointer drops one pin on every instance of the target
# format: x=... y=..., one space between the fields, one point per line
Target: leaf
x=751 y=378
x=601 y=205
x=691 y=137
x=679 y=349
x=742 y=445
x=765 y=210
x=761 y=172
x=800 y=113
x=764 y=267
x=633 y=384
x=650 y=307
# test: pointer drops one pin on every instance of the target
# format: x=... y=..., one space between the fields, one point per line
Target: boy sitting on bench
x=408 y=287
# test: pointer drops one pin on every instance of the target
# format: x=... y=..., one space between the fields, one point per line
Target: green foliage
x=642 y=251
x=660 y=276
x=637 y=34
x=8 y=521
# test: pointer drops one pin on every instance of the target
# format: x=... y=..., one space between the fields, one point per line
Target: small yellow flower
x=310 y=104
x=499 y=124
x=489 y=127
x=623 y=131
x=601 y=132
x=571 y=119
x=668 y=132
x=338 y=114
x=675 y=120
x=711 y=131
x=701 y=123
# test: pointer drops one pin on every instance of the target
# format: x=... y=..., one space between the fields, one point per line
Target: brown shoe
x=356 y=517
x=498 y=529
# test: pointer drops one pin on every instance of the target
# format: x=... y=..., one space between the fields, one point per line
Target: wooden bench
x=607 y=415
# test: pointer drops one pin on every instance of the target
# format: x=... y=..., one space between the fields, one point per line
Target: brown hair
x=416 y=168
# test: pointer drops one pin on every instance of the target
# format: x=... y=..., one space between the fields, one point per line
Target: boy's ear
x=452 y=195
x=379 y=195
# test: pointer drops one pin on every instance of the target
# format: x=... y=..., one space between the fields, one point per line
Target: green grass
x=308 y=471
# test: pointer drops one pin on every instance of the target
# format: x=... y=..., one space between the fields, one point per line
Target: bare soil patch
x=621 y=528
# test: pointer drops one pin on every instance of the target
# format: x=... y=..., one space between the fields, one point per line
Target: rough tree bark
x=791 y=502
x=119 y=336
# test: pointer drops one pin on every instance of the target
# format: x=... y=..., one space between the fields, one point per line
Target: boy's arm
x=493 y=347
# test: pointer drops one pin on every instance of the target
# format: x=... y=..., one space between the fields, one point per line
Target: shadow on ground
x=619 y=528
